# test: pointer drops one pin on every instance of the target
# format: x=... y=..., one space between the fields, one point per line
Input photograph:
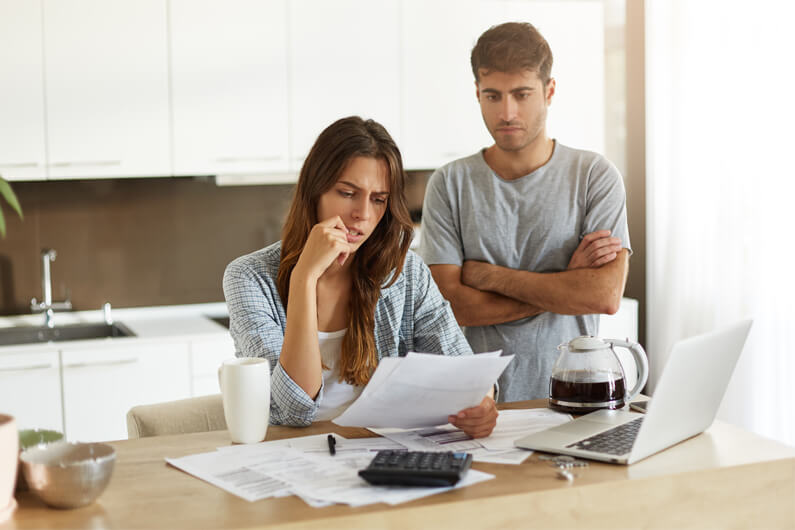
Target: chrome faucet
x=106 y=314
x=47 y=306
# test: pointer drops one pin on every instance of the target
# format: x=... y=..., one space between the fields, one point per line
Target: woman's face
x=359 y=198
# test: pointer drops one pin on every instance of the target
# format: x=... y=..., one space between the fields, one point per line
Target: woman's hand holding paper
x=478 y=421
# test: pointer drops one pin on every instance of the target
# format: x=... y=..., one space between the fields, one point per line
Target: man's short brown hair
x=511 y=47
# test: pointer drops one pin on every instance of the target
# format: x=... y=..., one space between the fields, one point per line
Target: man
x=528 y=238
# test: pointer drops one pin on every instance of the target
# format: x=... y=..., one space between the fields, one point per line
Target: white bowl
x=67 y=474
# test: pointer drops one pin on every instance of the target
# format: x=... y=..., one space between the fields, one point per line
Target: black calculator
x=416 y=468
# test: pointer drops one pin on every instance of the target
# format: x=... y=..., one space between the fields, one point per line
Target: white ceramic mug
x=9 y=457
x=246 y=387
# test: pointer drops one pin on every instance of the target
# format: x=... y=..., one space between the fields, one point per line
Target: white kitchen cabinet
x=30 y=388
x=441 y=118
x=22 y=154
x=240 y=88
x=106 y=72
x=344 y=59
x=206 y=356
x=100 y=385
x=229 y=86
x=575 y=31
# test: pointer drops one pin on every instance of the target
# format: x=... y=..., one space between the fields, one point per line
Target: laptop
x=685 y=403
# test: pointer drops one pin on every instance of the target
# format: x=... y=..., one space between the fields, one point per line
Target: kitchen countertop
x=181 y=322
x=157 y=323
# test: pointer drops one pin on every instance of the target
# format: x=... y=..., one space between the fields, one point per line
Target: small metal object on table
x=564 y=465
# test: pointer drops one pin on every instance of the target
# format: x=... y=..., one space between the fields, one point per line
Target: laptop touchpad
x=575 y=427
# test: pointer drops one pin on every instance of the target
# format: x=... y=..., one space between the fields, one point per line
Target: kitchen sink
x=224 y=321
x=36 y=334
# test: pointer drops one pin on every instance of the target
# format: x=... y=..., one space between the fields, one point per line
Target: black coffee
x=581 y=395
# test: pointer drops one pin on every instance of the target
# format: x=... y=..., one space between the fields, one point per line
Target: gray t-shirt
x=532 y=223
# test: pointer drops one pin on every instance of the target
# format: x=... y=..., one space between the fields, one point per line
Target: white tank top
x=337 y=395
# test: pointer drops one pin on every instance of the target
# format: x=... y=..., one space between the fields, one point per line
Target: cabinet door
x=206 y=357
x=21 y=91
x=441 y=115
x=106 y=70
x=575 y=31
x=30 y=389
x=101 y=385
x=344 y=60
x=229 y=78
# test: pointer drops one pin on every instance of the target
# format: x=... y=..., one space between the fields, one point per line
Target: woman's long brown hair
x=381 y=255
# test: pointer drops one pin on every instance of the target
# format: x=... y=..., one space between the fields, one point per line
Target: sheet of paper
x=498 y=448
x=511 y=457
x=473 y=476
x=318 y=444
x=449 y=438
x=422 y=390
x=513 y=424
x=338 y=481
x=237 y=473
x=383 y=371
x=443 y=438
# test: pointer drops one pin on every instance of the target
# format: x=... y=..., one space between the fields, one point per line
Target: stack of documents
x=417 y=392
x=304 y=467
x=497 y=448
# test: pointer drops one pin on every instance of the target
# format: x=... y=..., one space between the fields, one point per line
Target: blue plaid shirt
x=410 y=315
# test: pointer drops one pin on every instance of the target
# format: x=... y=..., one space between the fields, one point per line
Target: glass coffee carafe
x=588 y=375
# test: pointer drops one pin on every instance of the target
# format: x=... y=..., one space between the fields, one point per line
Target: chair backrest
x=199 y=414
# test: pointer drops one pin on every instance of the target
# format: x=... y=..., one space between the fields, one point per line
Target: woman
x=353 y=291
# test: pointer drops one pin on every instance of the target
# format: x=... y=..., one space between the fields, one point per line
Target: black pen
x=332 y=442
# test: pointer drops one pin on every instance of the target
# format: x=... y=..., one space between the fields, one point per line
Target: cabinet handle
x=87 y=163
x=102 y=363
x=27 y=368
x=20 y=165
x=233 y=159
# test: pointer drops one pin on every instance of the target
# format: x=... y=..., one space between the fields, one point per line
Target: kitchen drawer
x=30 y=389
x=101 y=385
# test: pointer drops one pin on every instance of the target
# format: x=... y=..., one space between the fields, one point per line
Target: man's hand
x=595 y=249
x=479 y=421
x=476 y=274
x=477 y=307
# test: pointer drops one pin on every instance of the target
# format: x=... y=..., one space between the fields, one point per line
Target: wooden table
x=726 y=477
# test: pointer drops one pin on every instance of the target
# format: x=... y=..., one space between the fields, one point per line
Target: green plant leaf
x=2 y=225
x=10 y=197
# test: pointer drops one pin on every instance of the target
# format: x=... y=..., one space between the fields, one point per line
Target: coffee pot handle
x=641 y=364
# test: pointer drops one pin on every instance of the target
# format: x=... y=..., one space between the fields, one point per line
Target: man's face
x=514 y=107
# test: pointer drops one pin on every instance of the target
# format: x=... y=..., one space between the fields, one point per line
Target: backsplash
x=139 y=242
x=134 y=242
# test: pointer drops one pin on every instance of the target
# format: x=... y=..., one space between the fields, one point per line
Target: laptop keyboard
x=616 y=441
